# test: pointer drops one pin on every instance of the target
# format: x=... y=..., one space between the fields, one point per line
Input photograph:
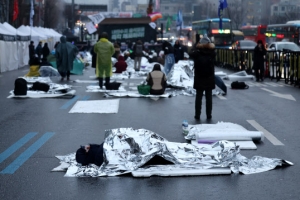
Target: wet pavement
x=54 y=131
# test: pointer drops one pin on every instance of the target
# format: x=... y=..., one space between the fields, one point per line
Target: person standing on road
x=31 y=52
x=45 y=51
x=138 y=53
x=258 y=59
x=178 y=51
x=104 y=50
x=204 y=79
x=65 y=54
x=39 y=50
x=169 y=56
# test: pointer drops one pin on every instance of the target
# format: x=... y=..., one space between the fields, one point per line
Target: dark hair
x=104 y=35
x=156 y=67
x=260 y=42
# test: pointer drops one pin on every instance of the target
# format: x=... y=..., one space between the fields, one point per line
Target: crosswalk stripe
x=20 y=160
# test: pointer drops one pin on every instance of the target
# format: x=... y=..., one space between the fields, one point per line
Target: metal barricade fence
x=279 y=65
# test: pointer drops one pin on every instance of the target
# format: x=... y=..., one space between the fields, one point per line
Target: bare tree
x=237 y=13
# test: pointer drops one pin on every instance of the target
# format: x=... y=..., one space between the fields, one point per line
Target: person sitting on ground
x=34 y=68
x=157 y=80
x=121 y=65
x=90 y=154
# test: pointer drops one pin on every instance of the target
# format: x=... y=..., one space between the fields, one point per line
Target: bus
x=283 y=32
x=255 y=33
x=222 y=38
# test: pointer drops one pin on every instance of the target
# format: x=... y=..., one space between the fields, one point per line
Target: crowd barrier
x=279 y=65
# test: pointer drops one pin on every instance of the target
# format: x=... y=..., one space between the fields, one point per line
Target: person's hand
x=87 y=148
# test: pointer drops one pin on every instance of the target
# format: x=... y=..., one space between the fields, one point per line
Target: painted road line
x=70 y=102
x=283 y=96
x=13 y=148
x=85 y=98
x=273 y=84
x=221 y=97
x=21 y=159
x=267 y=134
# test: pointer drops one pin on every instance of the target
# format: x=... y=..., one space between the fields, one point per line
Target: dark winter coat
x=138 y=50
x=167 y=48
x=121 y=65
x=204 y=57
x=45 y=51
x=178 y=52
x=258 y=57
x=94 y=57
x=31 y=51
x=39 y=50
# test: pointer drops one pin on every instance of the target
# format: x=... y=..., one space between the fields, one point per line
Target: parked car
x=244 y=44
x=280 y=60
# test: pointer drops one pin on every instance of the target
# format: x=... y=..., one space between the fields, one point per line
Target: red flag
x=16 y=10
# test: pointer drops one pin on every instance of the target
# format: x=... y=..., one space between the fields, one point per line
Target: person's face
x=259 y=45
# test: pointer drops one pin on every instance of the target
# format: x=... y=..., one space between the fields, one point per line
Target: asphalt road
x=51 y=131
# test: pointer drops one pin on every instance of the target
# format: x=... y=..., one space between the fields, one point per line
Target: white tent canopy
x=23 y=40
x=8 y=49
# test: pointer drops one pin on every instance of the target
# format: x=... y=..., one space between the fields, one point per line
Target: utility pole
x=72 y=21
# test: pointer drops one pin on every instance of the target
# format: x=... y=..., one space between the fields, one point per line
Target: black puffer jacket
x=258 y=59
x=204 y=58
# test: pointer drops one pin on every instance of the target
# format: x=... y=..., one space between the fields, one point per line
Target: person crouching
x=157 y=80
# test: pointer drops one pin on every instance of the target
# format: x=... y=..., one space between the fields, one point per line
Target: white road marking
x=221 y=97
x=284 y=96
x=267 y=134
x=273 y=84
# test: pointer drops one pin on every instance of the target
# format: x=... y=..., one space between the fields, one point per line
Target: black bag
x=40 y=86
x=239 y=85
x=113 y=86
x=20 y=87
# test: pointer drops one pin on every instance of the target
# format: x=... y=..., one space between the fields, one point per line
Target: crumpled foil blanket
x=127 y=150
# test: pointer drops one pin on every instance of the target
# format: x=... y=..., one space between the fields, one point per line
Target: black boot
x=101 y=82
x=107 y=80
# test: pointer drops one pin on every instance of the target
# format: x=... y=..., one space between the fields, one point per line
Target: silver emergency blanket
x=48 y=71
x=136 y=95
x=127 y=150
x=239 y=76
x=55 y=90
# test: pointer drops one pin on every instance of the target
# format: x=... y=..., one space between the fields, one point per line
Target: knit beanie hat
x=205 y=40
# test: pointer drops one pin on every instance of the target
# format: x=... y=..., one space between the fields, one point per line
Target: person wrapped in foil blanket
x=126 y=150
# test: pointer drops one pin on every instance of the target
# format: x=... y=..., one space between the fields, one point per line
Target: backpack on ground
x=239 y=85
x=40 y=86
x=20 y=87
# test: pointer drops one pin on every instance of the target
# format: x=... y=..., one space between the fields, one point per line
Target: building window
x=275 y=8
x=166 y=8
x=282 y=8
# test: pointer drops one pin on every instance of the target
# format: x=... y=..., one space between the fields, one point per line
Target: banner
x=97 y=18
x=179 y=20
x=31 y=13
x=16 y=10
x=90 y=27
x=155 y=16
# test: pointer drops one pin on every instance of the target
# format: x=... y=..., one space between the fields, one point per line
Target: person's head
x=104 y=35
x=46 y=44
x=205 y=40
x=31 y=42
x=156 y=67
x=260 y=43
x=177 y=42
x=63 y=39
x=139 y=42
x=121 y=58
x=40 y=43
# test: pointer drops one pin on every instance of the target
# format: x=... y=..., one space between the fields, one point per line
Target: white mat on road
x=96 y=88
x=135 y=95
x=96 y=106
x=41 y=94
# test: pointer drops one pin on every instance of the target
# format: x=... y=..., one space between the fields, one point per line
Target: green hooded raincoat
x=65 y=54
x=104 y=50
